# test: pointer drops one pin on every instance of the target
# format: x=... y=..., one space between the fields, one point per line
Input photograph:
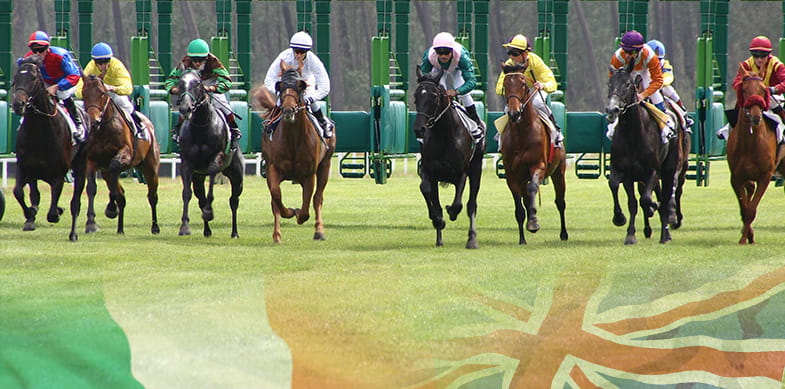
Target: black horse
x=205 y=150
x=448 y=152
x=44 y=150
x=639 y=155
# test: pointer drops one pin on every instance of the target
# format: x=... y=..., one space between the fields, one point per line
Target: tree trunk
x=121 y=50
x=188 y=20
x=591 y=60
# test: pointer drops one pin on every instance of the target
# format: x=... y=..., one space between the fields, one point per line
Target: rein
x=432 y=120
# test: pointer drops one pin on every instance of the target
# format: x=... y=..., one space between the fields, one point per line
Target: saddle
x=471 y=126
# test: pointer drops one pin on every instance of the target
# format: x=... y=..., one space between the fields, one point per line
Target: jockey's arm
x=320 y=75
x=223 y=80
x=542 y=73
x=655 y=73
x=467 y=72
x=778 y=79
x=170 y=84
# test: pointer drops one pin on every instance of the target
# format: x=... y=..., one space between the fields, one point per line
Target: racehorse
x=448 y=153
x=639 y=155
x=751 y=151
x=205 y=150
x=112 y=148
x=295 y=151
x=528 y=154
x=44 y=150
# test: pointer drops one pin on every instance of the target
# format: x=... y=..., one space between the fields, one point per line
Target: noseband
x=523 y=103
x=37 y=84
x=440 y=95
x=297 y=96
x=624 y=108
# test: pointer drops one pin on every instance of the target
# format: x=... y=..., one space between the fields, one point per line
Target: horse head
x=192 y=93
x=622 y=91
x=28 y=85
x=95 y=98
x=754 y=97
x=290 y=89
x=516 y=93
x=431 y=101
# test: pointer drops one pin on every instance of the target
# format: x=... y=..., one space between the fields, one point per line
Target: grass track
x=376 y=305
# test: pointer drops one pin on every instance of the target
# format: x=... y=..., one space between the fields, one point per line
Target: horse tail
x=262 y=97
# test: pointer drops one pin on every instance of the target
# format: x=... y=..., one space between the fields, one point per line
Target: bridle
x=523 y=103
x=291 y=92
x=624 y=108
x=440 y=96
x=37 y=85
x=186 y=93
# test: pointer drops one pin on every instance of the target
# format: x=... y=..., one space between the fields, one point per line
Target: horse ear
x=501 y=64
x=302 y=84
x=278 y=86
x=638 y=82
x=418 y=71
x=630 y=65
x=439 y=75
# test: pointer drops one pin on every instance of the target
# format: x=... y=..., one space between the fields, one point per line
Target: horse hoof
x=60 y=210
x=110 y=213
x=235 y=235
x=90 y=228
x=302 y=218
x=155 y=229
x=630 y=240
x=532 y=227
x=53 y=218
x=319 y=236
x=564 y=236
x=72 y=237
x=207 y=215
x=647 y=232
x=454 y=211
x=471 y=244
x=28 y=227
x=619 y=220
x=676 y=225
x=207 y=232
x=184 y=230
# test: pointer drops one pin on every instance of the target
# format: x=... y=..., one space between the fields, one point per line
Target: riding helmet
x=101 y=51
x=658 y=47
x=38 y=38
x=444 y=40
x=760 y=43
x=632 y=41
x=301 y=40
x=519 y=42
x=198 y=48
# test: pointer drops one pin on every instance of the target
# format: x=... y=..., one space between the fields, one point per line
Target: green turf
x=376 y=302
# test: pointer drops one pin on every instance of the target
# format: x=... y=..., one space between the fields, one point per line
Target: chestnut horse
x=205 y=150
x=639 y=155
x=448 y=153
x=528 y=154
x=751 y=151
x=295 y=151
x=113 y=147
x=44 y=150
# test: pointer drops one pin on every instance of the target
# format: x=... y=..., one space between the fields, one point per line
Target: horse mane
x=515 y=68
x=752 y=100
x=31 y=59
x=262 y=98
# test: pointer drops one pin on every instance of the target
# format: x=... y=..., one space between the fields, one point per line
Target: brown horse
x=751 y=151
x=113 y=147
x=43 y=145
x=528 y=154
x=295 y=151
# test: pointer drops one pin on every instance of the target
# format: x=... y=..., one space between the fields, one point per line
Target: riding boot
x=472 y=112
x=176 y=129
x=687 y=117
x=140 y=127
x=559 y=137
x=71 y=107
x=233 y=127
x=781 y=113
x=327 y=127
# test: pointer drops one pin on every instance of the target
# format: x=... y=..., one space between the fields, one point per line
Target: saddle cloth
x=474 y=129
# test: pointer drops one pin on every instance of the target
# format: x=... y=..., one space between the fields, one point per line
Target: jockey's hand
x=538 y=85
x=211 y=88
x=52 y=89
x=773 y=90
x=174 y=91
x=639 y=97
x=109 y=88
x=452 y=93
x=308 y=100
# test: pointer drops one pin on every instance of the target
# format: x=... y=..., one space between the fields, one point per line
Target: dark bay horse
x=113 y=147
x=751 y=151
x=528 y=155
x=448 y=153
x=43 y=145
x=639 y=155
x=205 y=150
x=295 y=151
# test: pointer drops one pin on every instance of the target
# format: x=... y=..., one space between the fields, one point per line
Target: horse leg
x=667 y=199
x=28 y=212
x=475 y=175
x=186 y=175
x=613 y=183
x=632 y=207
x=274 y=185
x=752 y=211
x=322 y=175
x=531 y=200
x=151 y=177
x=559 y=188
x=53 y=216
x=35 y=196
x=647 y=231
x=205 y=201
x=120 y=201
x=454 y=209
x=430 y=191
x=92 y=188
x=308 y=184
x=648 y=205
x=76 y=204
x=235 y=174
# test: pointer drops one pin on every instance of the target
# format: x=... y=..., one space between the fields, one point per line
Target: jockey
x=538 y=76
x=215 y=77
x=771 y=70
x=61 y=74
x=667 y=89
x=116 y=79
x=449 y=56
x=311 y=68
x=647 y=65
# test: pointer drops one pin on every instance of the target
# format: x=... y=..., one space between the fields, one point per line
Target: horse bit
x=431 y=120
